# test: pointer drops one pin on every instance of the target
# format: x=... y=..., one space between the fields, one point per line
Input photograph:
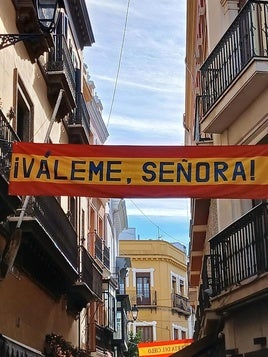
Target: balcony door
x=143 y=288
x=23 y=114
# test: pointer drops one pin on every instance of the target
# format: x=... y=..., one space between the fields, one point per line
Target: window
x=62 y=25
x=179 y=332
x=146 y=333
x=178 y=284
x=118 y=333
x=176 y=334
x=23 y=110
x=72 y=211
x=109 y=310
x=181 y=286
x=173 y=285
x=143 y=288
x=122 y=285
x=23 y=119
x=83 y=224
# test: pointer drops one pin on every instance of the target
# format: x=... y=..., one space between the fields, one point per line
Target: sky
x=137 y=64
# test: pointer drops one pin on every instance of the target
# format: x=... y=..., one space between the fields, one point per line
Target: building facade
x=156 y=283
x=58 y=280
x=226 y=95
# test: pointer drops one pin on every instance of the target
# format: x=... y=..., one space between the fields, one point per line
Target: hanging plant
x=11 y=113
x=56 y=346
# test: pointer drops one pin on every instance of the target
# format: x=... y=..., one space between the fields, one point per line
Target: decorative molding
x=176 y=263
x=229 y=5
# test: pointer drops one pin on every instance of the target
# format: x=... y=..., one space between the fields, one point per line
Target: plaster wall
x=246 y=324
x=18 y=320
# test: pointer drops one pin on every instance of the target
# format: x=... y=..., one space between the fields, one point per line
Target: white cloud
x=169 y=87
x=149 y=98
x=158 y=207
x=141 y=125
x=104 y=5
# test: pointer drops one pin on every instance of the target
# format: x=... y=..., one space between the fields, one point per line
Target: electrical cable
x=119 y=64
x=153 y=223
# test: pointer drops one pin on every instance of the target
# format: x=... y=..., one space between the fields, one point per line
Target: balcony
x=236 y=71
x=7 y=136
x=207 y=320
x=235 y=272
x=120 y=336
x=91 y=274
x=102 y=252
x=79 y=123
x=60 y=74
x=104 y=338
x=147 y=299
x=106 y=257
x=98 y=247
x=89 y=286
x=46 y=253
x=239 y=254
x=180 y=304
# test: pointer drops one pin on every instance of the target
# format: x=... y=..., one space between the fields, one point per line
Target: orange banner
x=162 y=348
x=139 y=171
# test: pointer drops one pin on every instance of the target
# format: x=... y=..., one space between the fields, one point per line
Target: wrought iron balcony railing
x=102 y=252
x=199 y=136
x=98 y=247
x=198 y=322
x=106 y=257
x=7 y=137
x=90 y=273
x=81 y=114
x=46 y=210
x=245 y=39
x=240 y=251
x=204 y=294
x=43 y=211
x=60 y=60
x=181 y=304
x=147 y=298
x=104 y=337
x=51 y=216
x=205 y=288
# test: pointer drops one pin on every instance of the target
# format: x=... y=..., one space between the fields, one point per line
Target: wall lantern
x=46 y=12
x=135 y=312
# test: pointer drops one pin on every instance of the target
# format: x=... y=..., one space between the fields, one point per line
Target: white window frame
x=178 y=277
x=145 y=323
x=150 y=270
x=180 y=329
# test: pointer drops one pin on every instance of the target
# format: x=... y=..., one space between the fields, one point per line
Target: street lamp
x=134 y=311
x=46 y=12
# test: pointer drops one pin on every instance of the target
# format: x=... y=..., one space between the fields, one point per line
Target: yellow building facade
x=157 y=284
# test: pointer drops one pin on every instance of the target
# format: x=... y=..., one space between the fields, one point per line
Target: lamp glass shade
x=134 y=311
x=46 y=12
